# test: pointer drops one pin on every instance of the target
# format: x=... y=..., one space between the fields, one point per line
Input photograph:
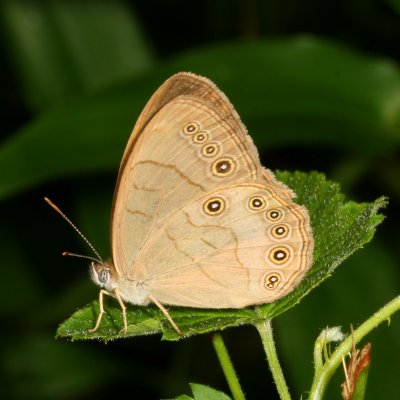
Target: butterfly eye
x=104 y=275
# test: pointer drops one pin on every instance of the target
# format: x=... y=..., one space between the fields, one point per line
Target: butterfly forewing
x=185 y=150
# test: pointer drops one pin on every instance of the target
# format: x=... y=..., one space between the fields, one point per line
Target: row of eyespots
x=259 y=203
x=221 y=167
x=278 y=255
x=281 y=254
x=216 y=206
x=255 y=203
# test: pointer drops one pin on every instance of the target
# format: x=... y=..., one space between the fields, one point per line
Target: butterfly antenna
x=67 y=253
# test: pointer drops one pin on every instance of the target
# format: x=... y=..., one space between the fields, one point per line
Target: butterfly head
x=102 y=274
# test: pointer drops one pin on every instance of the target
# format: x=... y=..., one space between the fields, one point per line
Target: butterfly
x=197 y=221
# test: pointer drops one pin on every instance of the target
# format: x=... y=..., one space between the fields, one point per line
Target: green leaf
x=148 y=320
x=339 y=227
x=359 y=392
x=300 y=91
x=202 y=392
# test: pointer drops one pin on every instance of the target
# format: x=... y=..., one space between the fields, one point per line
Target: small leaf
x=339 y=227
x=181 y=397
x=202 y=392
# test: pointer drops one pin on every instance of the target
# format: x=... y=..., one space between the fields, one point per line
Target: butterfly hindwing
x=236 y=246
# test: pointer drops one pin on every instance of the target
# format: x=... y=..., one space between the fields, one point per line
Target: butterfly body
x=131 y=291
x=197 y=221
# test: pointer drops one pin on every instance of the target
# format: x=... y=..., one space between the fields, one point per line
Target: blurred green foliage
x=318 y=87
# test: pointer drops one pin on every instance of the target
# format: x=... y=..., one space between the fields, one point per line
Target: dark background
x=318 y=86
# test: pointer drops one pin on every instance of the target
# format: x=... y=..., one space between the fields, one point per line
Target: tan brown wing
x=233 y=247
x=187 y=141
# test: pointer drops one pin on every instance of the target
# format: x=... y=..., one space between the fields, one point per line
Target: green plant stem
x=326 y=337
x=227 y=367
x=322 y=378
x=318 y=348
x=264 y=328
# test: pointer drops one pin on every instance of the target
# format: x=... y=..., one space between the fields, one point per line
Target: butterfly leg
x=117 y=296
x=101 y=310
x=166 y=313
